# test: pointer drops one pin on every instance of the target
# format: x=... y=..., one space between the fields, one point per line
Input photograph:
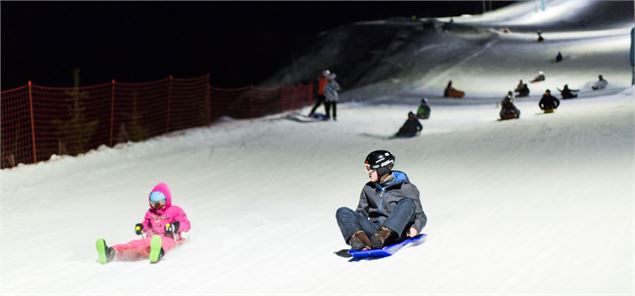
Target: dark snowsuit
x=522 y=90
x=568 y=93
x=394 y=204
x=410 y=128
x=548 y=102
x=508 y=109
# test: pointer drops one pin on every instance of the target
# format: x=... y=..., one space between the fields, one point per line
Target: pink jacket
x=155 y=219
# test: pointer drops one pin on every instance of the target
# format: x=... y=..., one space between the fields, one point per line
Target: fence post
x=167 y=122
x=280 y=99
x=34 y=150
x=307 y=95
x=207 y=100
x=313 y=95
x=250 y=94
x=112 y=110
x=293 y=97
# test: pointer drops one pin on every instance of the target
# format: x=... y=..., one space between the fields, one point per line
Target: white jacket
x=600 y=84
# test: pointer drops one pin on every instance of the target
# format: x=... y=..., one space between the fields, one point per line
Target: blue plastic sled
x=387 y=250
x=319 y=116
x=316 y=117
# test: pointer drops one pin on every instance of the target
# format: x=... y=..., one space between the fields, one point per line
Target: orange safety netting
x=39 y=121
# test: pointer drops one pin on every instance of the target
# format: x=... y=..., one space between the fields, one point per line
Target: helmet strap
x=382 y=172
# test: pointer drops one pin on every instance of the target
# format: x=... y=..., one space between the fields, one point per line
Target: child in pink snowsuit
x=162 y=226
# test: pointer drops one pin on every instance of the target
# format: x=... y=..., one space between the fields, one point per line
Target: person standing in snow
x=161 y=227
x=322 y=81
x=600 y=84
x=410 y=128
x=423 y=112
x=548 y=103
x=389 y=207
x=331 y=96
x=508 y=109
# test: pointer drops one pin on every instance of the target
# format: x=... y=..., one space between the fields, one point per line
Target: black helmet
x=379 y=159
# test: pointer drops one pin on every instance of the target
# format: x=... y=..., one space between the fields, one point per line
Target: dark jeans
x=329 y=106
x=319 y=101
x=401 y=217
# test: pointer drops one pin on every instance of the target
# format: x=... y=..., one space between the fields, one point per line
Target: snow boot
x=359 y=241
x=379 y=238
x=104 y=252
x=156 y=249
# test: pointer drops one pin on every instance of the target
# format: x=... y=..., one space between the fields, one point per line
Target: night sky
x=238 y=43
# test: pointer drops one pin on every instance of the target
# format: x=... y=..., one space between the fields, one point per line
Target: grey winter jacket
x=377 y=202
x=331 y=91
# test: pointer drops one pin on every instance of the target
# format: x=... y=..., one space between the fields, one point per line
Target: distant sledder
x=548 y=103
x=389 y=208
x=540 y=38
x=540 y=77
x=568 y=93
x=600 y=84
x=522 y=90
x=423 y=112
x=451 y=92
x=410 y=128
x=160 y=230
x=508 y=109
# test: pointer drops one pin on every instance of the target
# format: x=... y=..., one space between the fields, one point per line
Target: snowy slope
x=557 y=14
x=540 y=205
x=399 y=57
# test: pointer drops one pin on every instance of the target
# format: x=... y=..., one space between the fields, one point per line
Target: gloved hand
x=138 y=228
x=172 y=228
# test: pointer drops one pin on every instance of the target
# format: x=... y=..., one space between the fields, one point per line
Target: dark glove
x=138 y=228
x=173 y=227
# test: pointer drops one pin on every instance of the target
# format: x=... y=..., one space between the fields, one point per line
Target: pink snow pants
x=140 y=249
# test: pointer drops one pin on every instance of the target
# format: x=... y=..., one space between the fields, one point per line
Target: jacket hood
x=398 y=177
x=163 y=188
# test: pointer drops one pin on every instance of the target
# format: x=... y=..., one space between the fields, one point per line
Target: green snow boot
x=104 y=252
x=156 y=251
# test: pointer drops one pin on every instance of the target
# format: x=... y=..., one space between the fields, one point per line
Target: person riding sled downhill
x=160 y=229
x=389 y=207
